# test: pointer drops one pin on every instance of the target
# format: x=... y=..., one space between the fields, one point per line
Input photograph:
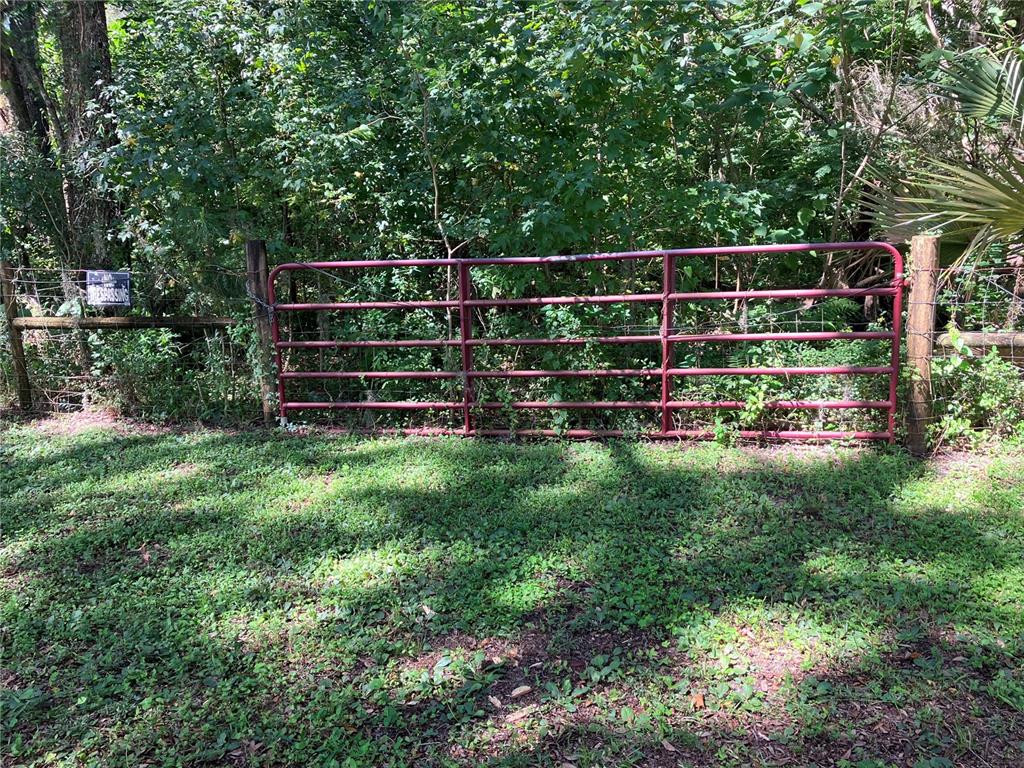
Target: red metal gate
x=667 y=338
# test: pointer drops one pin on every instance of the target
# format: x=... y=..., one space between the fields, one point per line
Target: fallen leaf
x=667 y=745
x=519 y=714
x=521 y=691
x=428 y=611
x=495 y=702
x=697 y=700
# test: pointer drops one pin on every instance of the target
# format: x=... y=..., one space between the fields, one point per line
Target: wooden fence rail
x=18 y=324
x=1009 y=346
x=128 y=322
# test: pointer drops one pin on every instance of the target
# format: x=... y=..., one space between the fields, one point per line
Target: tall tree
x=73 y=131
x=85 y=52
x=20 y=78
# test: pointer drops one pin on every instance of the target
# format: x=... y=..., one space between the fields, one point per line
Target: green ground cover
x=242 y=598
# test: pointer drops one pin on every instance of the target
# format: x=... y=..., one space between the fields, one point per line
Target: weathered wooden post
x=14 y=333
x=924 y=272
x=256 y=277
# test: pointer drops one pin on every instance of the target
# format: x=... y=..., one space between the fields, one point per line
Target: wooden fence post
x=14 y=333
x=256 y=282
x=924 y=272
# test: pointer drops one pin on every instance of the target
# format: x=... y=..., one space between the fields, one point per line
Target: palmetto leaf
x=987 y=87
x=890 y=211
x=982 y=206
x=964 y=199
x=966 y=204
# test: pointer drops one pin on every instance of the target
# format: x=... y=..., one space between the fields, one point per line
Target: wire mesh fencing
x=978 y=360
x=196 y=370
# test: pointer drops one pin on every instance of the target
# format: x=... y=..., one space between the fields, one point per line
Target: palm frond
x=980 y=206
x=896 y=210
x=964 y=204
x=971 y=197
x=989 y=88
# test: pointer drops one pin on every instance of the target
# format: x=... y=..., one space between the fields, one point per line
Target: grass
x=215 y=598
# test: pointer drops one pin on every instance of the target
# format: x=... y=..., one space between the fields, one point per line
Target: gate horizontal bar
x=569 y=404
x=396 y=405
x=779 y=404
x=371 y=375
x=783 y=293
x=364 y=344
x=410 y=405
x=582 y=341
x=788 y=293
x=782 y=336
x=700 y=434
x=446 y=303
x=564 y=374
x=468 y=374
x=837 y=370
x=528 y=342
x=328 y=305
x=553 y=300
x=597 y=373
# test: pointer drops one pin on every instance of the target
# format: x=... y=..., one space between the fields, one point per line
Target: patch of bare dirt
x=960 y=462
x=182 y=469
x=967 y=727
x=12 y=578
x=74 y=423
x=772 y=661
x=496 y=651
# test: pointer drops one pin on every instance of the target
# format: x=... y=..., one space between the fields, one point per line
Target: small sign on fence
x=107 y=289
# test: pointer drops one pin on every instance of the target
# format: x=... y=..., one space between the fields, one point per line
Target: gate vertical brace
x=899 y=283
x=275 y=335
x=668 y=287
x=465 y=332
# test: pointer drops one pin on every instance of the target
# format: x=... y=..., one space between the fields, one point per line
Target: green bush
x=975 y=395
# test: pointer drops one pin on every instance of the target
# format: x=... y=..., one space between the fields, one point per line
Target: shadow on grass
x=253 y=598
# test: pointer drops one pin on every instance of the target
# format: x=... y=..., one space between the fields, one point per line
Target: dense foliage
x=386 y=129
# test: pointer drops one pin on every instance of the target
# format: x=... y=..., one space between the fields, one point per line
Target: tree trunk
x=19 y=74
x=85 y=51
x=26 y=111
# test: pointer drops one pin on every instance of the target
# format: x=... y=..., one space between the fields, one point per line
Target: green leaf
x=989 y=88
